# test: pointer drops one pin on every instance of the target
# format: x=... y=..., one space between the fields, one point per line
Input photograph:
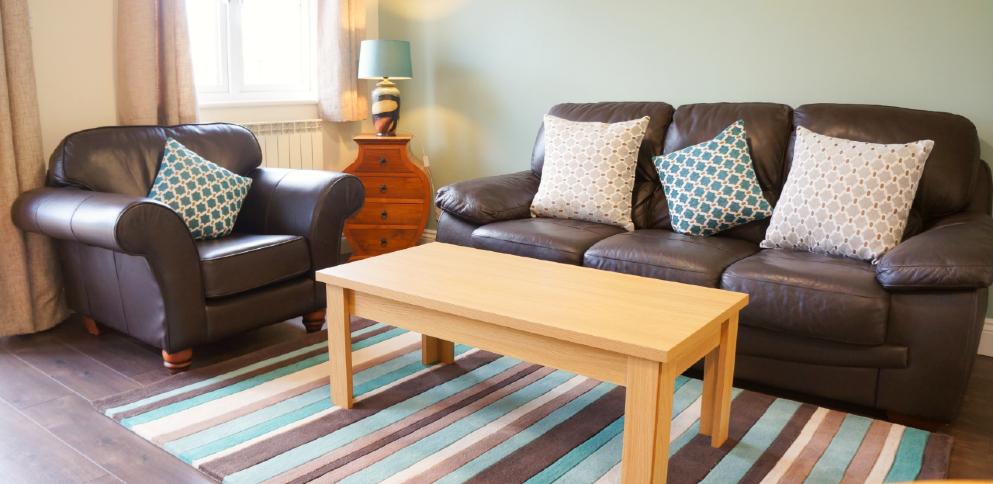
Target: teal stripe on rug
x=597 y=464
x=739 y=460
x=578 y=454
x=841 y=450
x=110 y=412
x=909 y=456
x=440 y=439
x=313 y=449
x=527 y=435
x=245 y=384
x=324 y=403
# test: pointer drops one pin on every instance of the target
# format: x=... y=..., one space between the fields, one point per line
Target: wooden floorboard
x=122 y=453
x=51 y=433
x=29 y=454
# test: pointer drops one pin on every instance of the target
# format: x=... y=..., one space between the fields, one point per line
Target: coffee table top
x=632 y=315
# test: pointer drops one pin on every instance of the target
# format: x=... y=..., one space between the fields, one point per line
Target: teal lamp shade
x=385 y=59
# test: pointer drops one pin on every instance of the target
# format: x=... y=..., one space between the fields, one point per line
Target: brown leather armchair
x=130 y=263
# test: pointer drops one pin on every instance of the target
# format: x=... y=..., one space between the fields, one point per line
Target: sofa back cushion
x=950 y=174
x=125 y=159
x=767 y=127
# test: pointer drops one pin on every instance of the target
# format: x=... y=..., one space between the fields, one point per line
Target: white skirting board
x=986 y=339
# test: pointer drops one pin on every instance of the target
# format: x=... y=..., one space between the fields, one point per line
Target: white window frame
x=232 y=92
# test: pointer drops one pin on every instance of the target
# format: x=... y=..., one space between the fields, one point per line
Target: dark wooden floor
x=49 y=432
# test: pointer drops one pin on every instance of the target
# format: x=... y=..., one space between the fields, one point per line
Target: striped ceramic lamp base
x=386 y=107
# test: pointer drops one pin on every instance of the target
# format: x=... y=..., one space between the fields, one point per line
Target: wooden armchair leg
x=91 y=326
x=178 y=361
x=314 y=321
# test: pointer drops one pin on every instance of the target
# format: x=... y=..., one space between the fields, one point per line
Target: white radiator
x=290 y=144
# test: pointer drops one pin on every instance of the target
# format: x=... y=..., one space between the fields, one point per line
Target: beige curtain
x=154 y=66
x=30 y=294
x=340 y=30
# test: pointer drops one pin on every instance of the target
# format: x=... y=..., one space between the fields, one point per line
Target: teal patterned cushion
x=712 y=186
x=208 y=197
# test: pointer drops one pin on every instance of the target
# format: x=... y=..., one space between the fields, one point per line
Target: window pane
x=275 y=44
x=206 y=38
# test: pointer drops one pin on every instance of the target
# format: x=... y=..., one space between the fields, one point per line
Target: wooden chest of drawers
x=397 y=197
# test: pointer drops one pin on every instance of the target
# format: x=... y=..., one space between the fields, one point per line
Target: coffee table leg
x=715 y=412
x=434 y=350
x=340 y=346
x=647 y=416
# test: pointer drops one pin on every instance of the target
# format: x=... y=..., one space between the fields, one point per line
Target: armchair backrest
x=125 y=159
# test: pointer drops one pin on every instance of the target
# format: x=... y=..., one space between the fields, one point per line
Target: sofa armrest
x=311 y=204
x=490 y=199
x=955 y=253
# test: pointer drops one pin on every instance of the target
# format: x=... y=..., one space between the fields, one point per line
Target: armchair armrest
x=131 y=225
x=311 y=204
x=955 y=253
x=490 y=199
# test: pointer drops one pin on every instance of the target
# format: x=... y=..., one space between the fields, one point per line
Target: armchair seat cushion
x=663 y=254
x=558 y=240
x=813 y=295
x=242 y=262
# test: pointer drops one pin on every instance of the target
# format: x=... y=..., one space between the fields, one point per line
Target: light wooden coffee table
x=633 y=331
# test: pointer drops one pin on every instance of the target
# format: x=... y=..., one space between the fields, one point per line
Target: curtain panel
x=154 y=66
x=340 y=30
x=30 y=287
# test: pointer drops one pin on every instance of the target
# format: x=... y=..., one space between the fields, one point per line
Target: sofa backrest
x=125 y=159
x=950 y=176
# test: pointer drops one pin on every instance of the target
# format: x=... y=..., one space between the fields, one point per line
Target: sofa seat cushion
x=558 y=240
x=663 y=254
x=242 y=262
x=814 y=295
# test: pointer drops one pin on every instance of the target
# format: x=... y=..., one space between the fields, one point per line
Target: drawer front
x=375 y=213
x=381 y=160
x=393 y=187
x=380 y=241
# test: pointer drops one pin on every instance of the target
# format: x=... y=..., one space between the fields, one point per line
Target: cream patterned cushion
x=589 y=171
x=845 y=197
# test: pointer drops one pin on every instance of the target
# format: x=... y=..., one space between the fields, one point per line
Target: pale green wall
x=485 y=70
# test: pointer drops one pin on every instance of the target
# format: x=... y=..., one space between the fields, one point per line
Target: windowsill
x=257 y=103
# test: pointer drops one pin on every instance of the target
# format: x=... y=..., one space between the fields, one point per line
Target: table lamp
x=385 y=60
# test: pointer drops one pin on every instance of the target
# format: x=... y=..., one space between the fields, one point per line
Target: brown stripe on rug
x=479 y=448
x=538 y=454
x=937 y=455
x=335 y=420
x=695 y=460
x=775 y=451
x=807 y=459
x=375 y=446
x=867 y=453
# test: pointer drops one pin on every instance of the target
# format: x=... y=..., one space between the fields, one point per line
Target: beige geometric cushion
x=846 y=197
x=589 y=171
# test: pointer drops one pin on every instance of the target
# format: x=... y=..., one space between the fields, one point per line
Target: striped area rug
x=266 y=417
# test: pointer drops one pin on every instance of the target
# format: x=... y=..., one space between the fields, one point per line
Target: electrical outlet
x=425 y=161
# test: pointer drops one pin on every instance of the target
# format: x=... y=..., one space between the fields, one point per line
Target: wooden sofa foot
x=91 y=326
x=314 y=321
x=178 y=361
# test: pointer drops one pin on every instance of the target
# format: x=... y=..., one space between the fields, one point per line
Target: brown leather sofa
x=900 y=335
x=130 y=262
